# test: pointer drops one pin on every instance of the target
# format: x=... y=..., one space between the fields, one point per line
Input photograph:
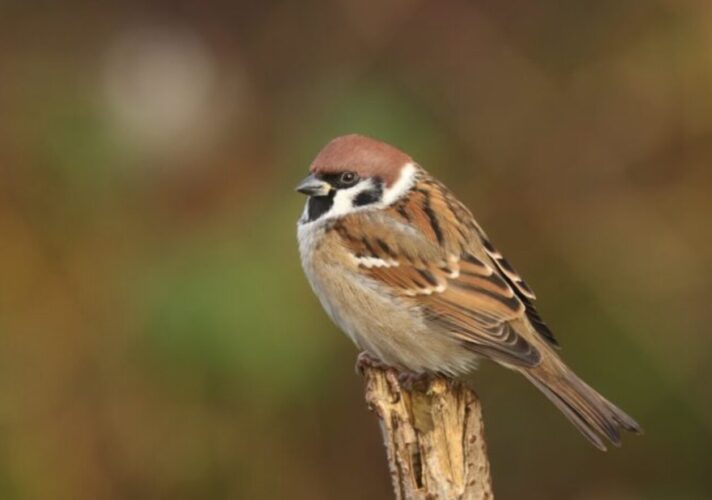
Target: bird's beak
x=311 y=186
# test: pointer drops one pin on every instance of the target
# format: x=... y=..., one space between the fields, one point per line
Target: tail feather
x=592 y=414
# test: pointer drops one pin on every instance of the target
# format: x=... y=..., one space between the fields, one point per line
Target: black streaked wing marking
x=505 y=267
x=428 y=276
x=432 y=217
x=523 y=291
x=538 y=323
x=403 y=212
x=384 y=246
x=514 y=276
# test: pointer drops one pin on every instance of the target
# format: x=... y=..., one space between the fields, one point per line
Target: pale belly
x=384 y=326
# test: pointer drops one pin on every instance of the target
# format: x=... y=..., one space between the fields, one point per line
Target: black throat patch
x=319 y=205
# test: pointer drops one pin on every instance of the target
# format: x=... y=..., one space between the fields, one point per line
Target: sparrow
x=402 y=267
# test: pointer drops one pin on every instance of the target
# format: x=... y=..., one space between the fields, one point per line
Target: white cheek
x=344 y=201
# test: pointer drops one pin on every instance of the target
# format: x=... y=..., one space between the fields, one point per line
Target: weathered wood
x=434 y=437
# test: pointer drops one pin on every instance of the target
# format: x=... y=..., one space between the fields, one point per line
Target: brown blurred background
x=157 y=337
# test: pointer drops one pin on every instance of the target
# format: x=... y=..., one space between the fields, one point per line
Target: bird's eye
x=348 y=178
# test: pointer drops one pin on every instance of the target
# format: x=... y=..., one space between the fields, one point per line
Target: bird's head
x=352 y=173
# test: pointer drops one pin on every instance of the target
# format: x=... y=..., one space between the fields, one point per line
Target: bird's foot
x=411 y=380
x=365 y=360
x=408 y=380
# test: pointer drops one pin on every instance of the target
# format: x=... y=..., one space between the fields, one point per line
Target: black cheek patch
x=369 y=196
x=319 y=205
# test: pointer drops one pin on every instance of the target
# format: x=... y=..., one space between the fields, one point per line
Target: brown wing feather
x=478 y=301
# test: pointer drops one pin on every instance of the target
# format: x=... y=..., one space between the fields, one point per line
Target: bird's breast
x=377 y=321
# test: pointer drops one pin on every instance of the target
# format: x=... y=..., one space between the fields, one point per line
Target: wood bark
x=434 y=437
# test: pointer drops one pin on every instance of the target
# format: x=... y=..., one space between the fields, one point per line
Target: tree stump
x=434 y=437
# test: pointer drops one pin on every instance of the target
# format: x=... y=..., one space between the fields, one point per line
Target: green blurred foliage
x=157 y=337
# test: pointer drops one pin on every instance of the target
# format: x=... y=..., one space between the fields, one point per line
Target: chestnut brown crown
x=363 y=155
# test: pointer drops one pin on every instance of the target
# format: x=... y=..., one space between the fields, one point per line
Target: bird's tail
x=591 y=413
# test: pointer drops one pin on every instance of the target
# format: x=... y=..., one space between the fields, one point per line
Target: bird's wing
x=443 y=268
x=514 y=279
x=459 y=231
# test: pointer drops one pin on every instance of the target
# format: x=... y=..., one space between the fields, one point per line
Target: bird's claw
x=365 y=360
x=412 y=380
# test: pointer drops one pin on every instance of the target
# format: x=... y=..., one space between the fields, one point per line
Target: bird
x=403 y=268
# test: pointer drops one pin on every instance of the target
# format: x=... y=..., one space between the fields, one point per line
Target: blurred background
x=157 y=337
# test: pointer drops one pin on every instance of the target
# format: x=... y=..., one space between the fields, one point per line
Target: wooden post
x=434 y=437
